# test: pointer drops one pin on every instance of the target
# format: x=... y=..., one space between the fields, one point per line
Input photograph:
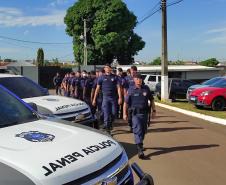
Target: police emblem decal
x=36 y=136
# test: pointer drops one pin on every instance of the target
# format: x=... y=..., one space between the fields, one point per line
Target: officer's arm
x=92 y=94
x=119 y=93
x=153 y=105
x=125 y=107
x=96 y=93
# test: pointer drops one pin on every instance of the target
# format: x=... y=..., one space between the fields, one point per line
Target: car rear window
x=22 y=87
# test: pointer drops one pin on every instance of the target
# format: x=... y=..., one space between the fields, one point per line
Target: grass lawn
x=188 y=106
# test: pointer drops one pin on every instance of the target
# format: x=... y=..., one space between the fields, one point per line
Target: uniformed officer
x=110 y=86
x=129 y=83
x=57 y=80
x=122 y=81
x=137 y=99
x=65 y=83
x=99 y=99
x=88 y=84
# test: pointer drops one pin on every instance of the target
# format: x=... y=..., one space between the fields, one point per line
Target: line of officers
x=111 y=96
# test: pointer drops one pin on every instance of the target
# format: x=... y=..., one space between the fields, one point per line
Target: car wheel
x=218 y=104
x=198 y=106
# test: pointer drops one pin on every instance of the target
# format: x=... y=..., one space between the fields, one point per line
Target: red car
x=213 y=96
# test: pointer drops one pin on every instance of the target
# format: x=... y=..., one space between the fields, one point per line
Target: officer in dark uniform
x=99 y=99
x=88 y=84
x=129 y=83
x=57 y=80
x=138 y=99
x=122 y=81
x=110 y=86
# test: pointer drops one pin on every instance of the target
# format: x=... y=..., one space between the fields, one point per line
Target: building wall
x=200 y=75
x=31 y=72
x=28 y=71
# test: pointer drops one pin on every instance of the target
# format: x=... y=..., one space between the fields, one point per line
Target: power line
x=151 y=10
x=34 y=42
x=175 y=2
x=147 y=17
x=152 y=13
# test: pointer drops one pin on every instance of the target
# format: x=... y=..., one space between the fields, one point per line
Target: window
x=13 y=111
x=152 y=79
x=23 y=87
x=221 y=83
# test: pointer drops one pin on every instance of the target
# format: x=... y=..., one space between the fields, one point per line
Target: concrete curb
x=194 y=114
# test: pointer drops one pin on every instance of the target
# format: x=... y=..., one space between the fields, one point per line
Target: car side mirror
x=33 y=106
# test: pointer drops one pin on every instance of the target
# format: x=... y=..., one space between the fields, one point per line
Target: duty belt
x=139 y=111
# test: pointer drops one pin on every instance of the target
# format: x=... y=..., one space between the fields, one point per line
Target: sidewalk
x=194 y=114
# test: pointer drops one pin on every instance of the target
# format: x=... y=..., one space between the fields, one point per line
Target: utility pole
x=164 y=62
x=85 y=44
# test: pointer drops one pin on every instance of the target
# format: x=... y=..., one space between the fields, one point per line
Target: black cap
x=138 y=75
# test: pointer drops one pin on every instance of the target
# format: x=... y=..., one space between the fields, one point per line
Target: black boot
x=140 y=151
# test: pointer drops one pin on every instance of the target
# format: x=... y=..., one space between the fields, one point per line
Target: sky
x=196 y=29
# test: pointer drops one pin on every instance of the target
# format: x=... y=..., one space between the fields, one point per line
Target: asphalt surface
x=180 y=150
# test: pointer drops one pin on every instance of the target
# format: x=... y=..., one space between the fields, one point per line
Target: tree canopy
x=212 y=62
x=110 y=32
x=40 y=57
x=156 y=61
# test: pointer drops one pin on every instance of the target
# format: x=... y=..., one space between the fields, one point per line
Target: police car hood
x=57 y=104
x=54 y=153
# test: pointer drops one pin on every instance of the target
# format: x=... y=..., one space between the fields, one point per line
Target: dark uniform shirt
x=128 y=82
x=138 y=97
x=108 y=85
x=88 y=84
x=57 y=80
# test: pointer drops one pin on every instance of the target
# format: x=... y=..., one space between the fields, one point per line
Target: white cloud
x=11 y=17
x=58 y=2
x=218 y=30
x=217 y=40
x=216 y=36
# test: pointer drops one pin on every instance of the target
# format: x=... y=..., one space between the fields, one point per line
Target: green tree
x=156 y=61
x=110 y=32
x=212 y=62
x=178 y=62
x=40 y=57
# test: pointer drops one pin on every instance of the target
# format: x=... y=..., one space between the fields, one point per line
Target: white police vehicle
x=48 y=151
x=62 y=107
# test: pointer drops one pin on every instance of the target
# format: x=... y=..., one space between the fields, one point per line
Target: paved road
x=182 y=150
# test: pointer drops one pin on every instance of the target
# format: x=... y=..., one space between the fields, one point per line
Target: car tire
x=218 y=104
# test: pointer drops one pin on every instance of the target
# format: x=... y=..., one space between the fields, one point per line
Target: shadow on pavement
x=172 y=129
x=130 y=148
x=169 y=122
x=164 y=150
x=164 y=116
x=119 y=132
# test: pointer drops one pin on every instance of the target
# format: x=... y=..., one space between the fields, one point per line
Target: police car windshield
x=23 y=87
x=13 y=111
